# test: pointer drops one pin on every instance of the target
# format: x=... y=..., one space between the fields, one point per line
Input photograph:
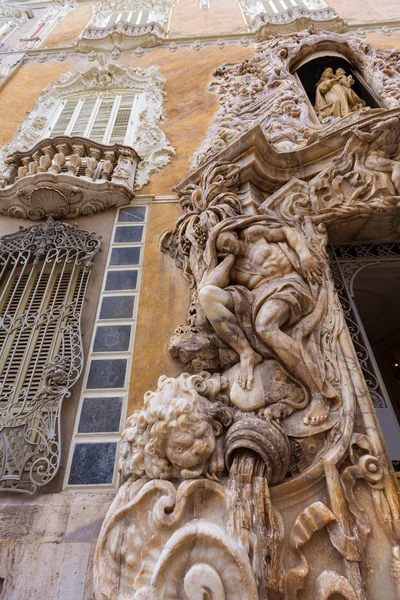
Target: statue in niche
x=334 y=96
x=264 y=299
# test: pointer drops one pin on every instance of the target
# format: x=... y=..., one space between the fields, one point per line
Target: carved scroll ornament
x=264 y=90
x=272 y=408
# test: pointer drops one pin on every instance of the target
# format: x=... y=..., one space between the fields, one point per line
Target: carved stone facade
x=266 y=447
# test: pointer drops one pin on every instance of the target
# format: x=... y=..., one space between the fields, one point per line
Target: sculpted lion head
x=174 y=434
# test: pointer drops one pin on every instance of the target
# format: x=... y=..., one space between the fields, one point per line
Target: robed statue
x=334 y=96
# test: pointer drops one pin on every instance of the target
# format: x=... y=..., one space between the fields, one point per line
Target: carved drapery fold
x=44 y=275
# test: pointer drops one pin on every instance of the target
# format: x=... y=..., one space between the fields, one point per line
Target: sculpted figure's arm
x=220 y=275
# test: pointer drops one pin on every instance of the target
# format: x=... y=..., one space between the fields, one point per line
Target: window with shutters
x=277 y=6
x=44 y=271
x=135 y=17
x=104 y=119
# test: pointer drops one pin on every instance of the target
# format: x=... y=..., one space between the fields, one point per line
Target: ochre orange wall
x=69 y=28
x=223 y=15
x=163 y=304
x=366 y=9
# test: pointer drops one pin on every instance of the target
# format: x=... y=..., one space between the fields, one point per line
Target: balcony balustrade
x=121 y=36
x=65 y=177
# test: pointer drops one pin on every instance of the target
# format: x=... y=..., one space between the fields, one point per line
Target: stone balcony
x=297 y=19
x=67 y=177
x=121 y=36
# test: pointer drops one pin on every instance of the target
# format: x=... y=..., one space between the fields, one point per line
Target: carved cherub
x=178 y=431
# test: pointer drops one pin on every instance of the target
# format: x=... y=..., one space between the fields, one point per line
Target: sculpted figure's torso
x=259 y=261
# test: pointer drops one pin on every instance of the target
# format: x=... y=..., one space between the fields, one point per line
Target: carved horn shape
x=200 y=557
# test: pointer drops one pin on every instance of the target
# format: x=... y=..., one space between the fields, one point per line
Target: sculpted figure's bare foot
x=248 y=360
x=318 y=412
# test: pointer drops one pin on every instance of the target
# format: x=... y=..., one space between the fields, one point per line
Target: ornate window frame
x=150 y=142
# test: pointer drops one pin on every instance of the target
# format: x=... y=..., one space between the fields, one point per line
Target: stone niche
x=260 y=472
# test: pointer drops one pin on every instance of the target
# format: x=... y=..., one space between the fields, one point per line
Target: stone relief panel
x=267 y=443
x=264 y=90
x=150 y=141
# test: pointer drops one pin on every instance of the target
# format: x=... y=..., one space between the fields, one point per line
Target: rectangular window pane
x=132 y=214
x=125 y=256
x=100 y=415
x=93 y=464
x=107 y=374
x=131 y=233
x=121 y=280
x=117 y=307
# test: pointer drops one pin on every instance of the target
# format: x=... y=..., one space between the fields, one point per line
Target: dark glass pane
x=107 y=374
x=121 y=280
x=112 y=338
x=100 y=415
x=117 y=307
x=125 y=256
x=131 y=233
x=131 y=214
x=93 y=464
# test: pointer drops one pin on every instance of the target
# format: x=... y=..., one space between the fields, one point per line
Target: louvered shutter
x=121 y=122
x=144 y=17
x=101 y=120
x=64 y=118
x=83 y=117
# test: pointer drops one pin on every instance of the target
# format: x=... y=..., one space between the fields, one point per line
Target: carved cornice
x=150 y=141
x=297 y=19
x=264 y=166
x=121 y=36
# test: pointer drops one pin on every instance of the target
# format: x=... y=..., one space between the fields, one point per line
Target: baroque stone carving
x=297 y=19
x=268 y=437
x=46 y=181
x=121 y=36
x=40 y=344
x=150 y=142
x=264 y=90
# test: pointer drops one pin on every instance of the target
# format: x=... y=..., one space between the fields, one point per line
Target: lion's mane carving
x=174 y=435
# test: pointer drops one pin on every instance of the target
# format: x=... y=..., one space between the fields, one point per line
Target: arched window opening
x=44 y=271
x=334 y=87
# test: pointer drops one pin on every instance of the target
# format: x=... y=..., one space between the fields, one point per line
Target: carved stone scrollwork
x=264 y=90
x=150 y=142
x=121 y=36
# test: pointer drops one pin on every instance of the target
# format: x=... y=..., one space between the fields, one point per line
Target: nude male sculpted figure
x=257 y=262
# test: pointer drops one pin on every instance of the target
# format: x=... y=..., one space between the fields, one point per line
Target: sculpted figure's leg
x=271 y=317
x=218 y=307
